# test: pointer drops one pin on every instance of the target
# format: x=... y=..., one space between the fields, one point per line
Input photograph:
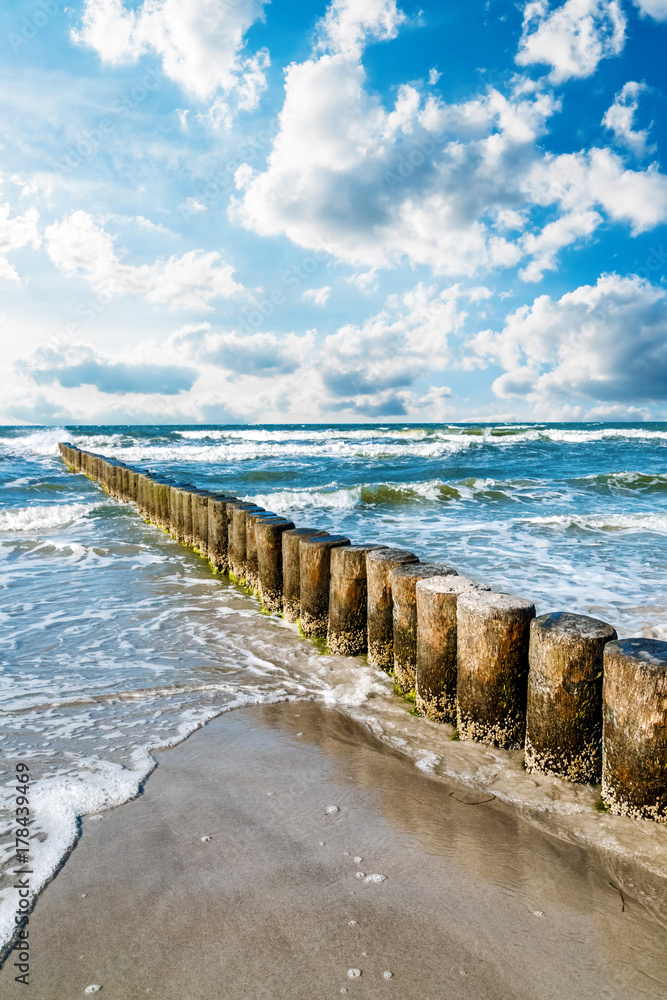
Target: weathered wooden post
x=347 y=634
x=217 y=532
x=291 y=541
x=238 y=536
x=185 y=515
x=379 y=565
x=492 y=667
x=268 y=537
x=251 y=559
x=634 y=736
x=564 y=712
x=435 y=682
x=199 y=501
x=404 y=596
x=315 y=571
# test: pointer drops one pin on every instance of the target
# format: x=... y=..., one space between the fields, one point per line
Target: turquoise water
x=116 y=640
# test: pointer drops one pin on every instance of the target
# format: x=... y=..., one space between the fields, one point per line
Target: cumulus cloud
x=607 y=342
x=15 y=232
x=620 y=119
x=653 y=8
x=73 y=365
x=318 y=296
x=77 y=245
x=597 y=178
x=573 y=38
x=346 y=25
x=364 y=366
x=201 y=44
x=263 y=355
x=459 y=188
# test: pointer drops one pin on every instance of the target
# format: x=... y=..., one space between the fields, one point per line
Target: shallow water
x=116 y=640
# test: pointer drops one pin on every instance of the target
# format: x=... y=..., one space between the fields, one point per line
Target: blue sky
x=231 y=210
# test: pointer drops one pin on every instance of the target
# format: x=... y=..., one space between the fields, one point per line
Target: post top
x=650 y=654
x=392 y=555
x=422 y=571
x=449 y=585
x=304 y=532
x=329 y=541
x=565 y=623
x=488 y=603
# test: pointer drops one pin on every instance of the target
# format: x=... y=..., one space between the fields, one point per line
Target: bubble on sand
x=93 y=988
x=92 y=819
x=332 y=810
x=299 y=734
x=376 y=878
x=346 y=854
x=538 y=913
x=204 y=840
x=83 y=895
x=321 y=843
x=387 y=975
x=354 y=973
x=358 y=861
x=352 y=923
x=361 y=874
x=269 y=793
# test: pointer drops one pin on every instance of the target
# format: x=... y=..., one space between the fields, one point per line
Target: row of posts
x=583 y=704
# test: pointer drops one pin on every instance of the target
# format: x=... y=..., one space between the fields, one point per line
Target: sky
x=236 y=211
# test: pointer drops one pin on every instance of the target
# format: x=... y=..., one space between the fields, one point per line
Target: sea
x=117 y=642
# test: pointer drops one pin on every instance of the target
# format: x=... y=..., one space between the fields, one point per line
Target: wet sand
x=476 y=905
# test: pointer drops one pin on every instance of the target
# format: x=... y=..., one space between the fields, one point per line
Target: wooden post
x=634 y=737
x=492 y=667
x=564 y=713
x=435 y=682
x=379 y=565
x=404 y=596
x=347 y=634
x=292 y=571
x=268 y=537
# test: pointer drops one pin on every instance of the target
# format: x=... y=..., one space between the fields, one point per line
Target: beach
x=237 y=873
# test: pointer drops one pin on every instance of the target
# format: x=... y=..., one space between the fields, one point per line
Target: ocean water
x=116 y=641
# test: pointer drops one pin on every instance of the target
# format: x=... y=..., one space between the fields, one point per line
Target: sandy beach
x=232 y=876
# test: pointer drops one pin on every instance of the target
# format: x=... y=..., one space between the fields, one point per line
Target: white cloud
x=200 y=42
x=458 y=188
x=371 y=365
x=653 y=8
x=573 y=38
x=544 y=246
x=620 y=118
x=607 y=342
x=75 y=364
x=318 y=296
x=579 y=182
x=263 y=355
x=15 y=232
x=77 y=245
x=348 y=23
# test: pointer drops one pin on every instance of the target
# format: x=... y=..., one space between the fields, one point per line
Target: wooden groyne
x=582 y=704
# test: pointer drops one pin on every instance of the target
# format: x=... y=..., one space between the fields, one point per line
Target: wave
x=40 y=442
x=615 y=522
x=44 y=518
x=248 y=451
x=395 y=494
x=623 y=482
